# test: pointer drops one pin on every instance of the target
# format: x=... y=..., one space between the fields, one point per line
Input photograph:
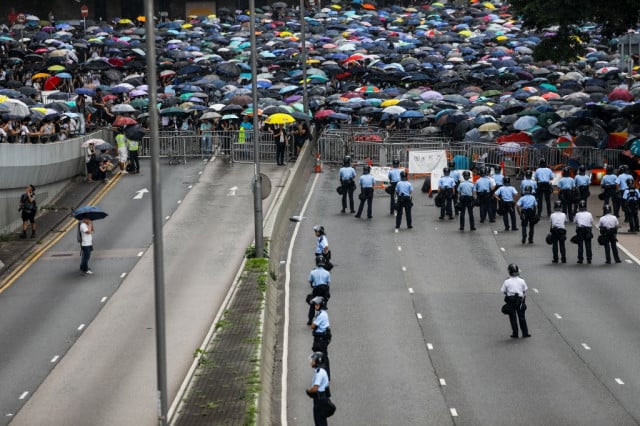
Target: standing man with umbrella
x=86 y=215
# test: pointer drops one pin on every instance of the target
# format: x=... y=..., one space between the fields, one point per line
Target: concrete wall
x=48 y=167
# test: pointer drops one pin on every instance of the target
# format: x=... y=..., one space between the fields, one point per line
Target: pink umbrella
x=324 y=113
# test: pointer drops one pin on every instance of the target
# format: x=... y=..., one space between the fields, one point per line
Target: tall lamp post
x=303 y=57
x=257 y=180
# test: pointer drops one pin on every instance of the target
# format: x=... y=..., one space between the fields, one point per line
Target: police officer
x=404 y=190
x=498 y=180
x=558 y=231
x=528 y=181
x=133 y=147
x=543 y=176
x=608 y=225
x=348 y=182
x=446 y=190
x=609 y=186
x=584 y=221
x=394 y=178
x=319 y=389
x=582 y=183
x=366 y=192
x=321 y=329
x=632 y=200
x=526 y=207
x=466 y=191
x=483 y=190
x=514 y=289
x=322 y=245
x=505 y=195
x=566 y=188
x=455 y=174
x=320 y=280
x=621 y=183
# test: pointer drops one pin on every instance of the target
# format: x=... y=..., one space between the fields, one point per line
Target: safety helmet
x=514 y=271
x=403 y=175
x=366 y=169
x=630 y=183
x=542 y=163
x=609 y=169
x=395 y=162
x=320 y=260
x=528 y=189
x=446 y=171
x=624 y=168
x=346 y=161
x=319 y=228
x=566 y=172
x=606 y=209
x=582 y=169
x=557 y=205
x=318 y=300
x=482 y=171
x=527 y=174
x=506 y=180
x=466 y=175
x=451 y=164
x=317 y=358
x=582 y=205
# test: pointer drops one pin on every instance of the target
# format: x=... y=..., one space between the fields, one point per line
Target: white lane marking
x=628 y=260
x=535 y=290
x=232 y=191
x=404 y=269
x=619 y=381
x=200 y=172
x=190 y=186
x=179 y=201
x=454 y=413
x=502 y=249
x=628 y=253
x=429 y=346
x=283 y=262
x=24 y=395
x=443 y=382
x=586 y=347
x=399 y=248
x=80 y=327
x=557 y=316
x=104 y=299
x=495 y=232
x=55 y=358
x=122 y=275
x=167 y=217
x=140 y=253
x=140 y=193
x=396 y=230
x=287 y=284
x=410 y=290
x=419 y=315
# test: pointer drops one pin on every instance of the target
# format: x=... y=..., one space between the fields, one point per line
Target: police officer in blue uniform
x=446 y=190
x=528 y=181
x=543 y=176
x=367 y=181
x=505 y=195
x=582 y=183
x=394 y=178
x=321 y=329
x=466 y=192
x=320 y=280
x=526 y=207
x=348 y=182
x=483 y=188
x=404 y=189
x=455 y=174
x=319 y=389
x=631 y=199
x=567 y=192
x=610 y=189
x=621 y=182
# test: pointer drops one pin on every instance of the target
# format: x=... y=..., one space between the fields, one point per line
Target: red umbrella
x=620 y=94
x=52 y=82
x=323 y=113
x=615 y=140
x=121 y=121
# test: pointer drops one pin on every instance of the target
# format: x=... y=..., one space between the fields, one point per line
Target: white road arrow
x=232 y=191
x=140 y=193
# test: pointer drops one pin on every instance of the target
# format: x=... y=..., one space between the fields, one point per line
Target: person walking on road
x=404 y=190
x=367 y=181
x=505 y=195
x=133 y=147
x=348 y=183
x=320 y=280
x=466 y=191
x=123 y=151
x=394 y=178
x=319 y=389
x=584 y=223
x=526 y=206
x=543 y=176
x=608 y=225
x=86 y=245
x=558 y=231
x=446 y=190
x=631 y=199
x=514 y=289
x=484 y=188
x=28 y=209
x=321 y=330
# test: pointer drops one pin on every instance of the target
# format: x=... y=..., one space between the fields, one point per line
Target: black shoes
x=514 y=336
x=526 y=335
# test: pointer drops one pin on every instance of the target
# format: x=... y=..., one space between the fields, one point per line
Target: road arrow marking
x=140 y=193
x=232 y=191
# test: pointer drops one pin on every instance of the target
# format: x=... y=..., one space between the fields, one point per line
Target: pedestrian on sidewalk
x=608 y=225
x=28 y=208
x=86 y=245
x=514 y=289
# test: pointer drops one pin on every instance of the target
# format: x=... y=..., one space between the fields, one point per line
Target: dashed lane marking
x=443 y=382
x=557 y=316
x=179 y=201
x=411 y=290
x=190 y=186
x=122 y=275
x=454 y=412
x=104 y=299
x=55 y=359
x=619 y=381
x=628 y=260
x=396 y=230
x=502 y=249
x=167 y=217
x=535 y=290
x=399 y=248
x=495 y=232
x=404 y=269
x=140 y=253
x=586 y=347
x=23 y=395
x=429 y=346
x=419 y=316
x=81 y=327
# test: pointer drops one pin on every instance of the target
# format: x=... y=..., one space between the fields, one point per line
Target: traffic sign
x=85 y=11
x=22 y=18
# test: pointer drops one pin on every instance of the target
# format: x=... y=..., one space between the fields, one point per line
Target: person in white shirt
x=558 y=232
x=514 y=289
x=608 y=225
x=86 y=245
x=584 y=221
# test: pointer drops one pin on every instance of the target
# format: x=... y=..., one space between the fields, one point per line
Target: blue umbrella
x=85 y=91
x=89 y=212
x=410 y=113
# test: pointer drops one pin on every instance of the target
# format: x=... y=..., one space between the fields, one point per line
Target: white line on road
x=557 y=316
x=619 y=381
x=167 y=217
x=419 y=315
x=140 y=253
x=399 y=248
x=443 y=382
x=122 y=275
x=24 y=395
x=628 y=260
x=404 y=269
x=80 y=327
x=55 y=358
x=190 y=186
x=397 y=230
x=628 y=253
x=429 y=346
x=104 y=299
x=502 y=249
x=586 y=347
x=179 y=201
x=495 y=232
x=535 y=290
x=411 y=290
x=454 y=412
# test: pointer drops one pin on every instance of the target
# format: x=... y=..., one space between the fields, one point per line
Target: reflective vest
x=133 y=145
x=121 y=141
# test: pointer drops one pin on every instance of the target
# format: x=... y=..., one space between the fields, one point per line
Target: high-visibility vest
x=121 y=141
x=133 y=145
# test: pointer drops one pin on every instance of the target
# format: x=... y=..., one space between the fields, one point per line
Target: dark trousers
x=583 y=190
x=543 y=192
x=85 y=255
x=407 y=209
x=559 y=237
x=611 y=197
x=319 y=290
x=584 y=242
x=135 y=162
x=566 y=197
x=318 y=418
x=519 y=314
x=531 y=225
x=485 y=206
x=509 y=211
x=466 y=205
x=446 y=208
x=610 y=246
x=348 y=192
x=633 y=218
x=392 y=198
x=368 y=197
x=280 y=149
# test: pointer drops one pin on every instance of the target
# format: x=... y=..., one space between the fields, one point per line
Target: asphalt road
x=418 y=336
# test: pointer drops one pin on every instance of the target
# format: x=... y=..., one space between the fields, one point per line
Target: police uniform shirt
x=506 y=193
x=608 y=221
x=394 y=175
x=319 y=276
x=527 y=201
x=455 y=174
x=321 y=321
x=582 y=180
x=347 y=173
x=608 y=180
x=514 y=286
x=629 y=193
x=404 y=188
x=367 y=181
x=543 y=174
x=466 y=188
x=566 y=183
x=446 y=182
x=621 y=180
x=558 y=219
x=483 y=184
x=529 y=182
x=321 y=243
x=498 y=178
x=583 y=218
x=320 y=379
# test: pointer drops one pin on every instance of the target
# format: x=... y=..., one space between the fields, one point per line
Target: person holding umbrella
x=86 y=215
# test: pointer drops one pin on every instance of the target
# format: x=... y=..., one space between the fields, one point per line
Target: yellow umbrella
x=40 y=75
x=3 y=98
x=286 y=34
x=280 y=118
x=336 y=6
x=125 y=21
x=141 y=18
x=488 y=5
x=389 y=102
x=490 y=127
x=56 y=68
x=186 y=26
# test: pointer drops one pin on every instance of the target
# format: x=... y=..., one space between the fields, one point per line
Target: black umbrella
x=89 y=212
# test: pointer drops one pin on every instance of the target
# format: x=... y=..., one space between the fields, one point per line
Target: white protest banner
x=380 y=174
x=431 y=161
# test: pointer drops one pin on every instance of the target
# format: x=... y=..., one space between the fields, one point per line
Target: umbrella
x=210 y=115
x=121 y=108
x=635 y=147
x=230 y=117
x=323 y=113
x=89 y=212
x=94 y=142
x=525 y=122
x=279 y=118
x=135 y=133
x=15 y=109
x=121 y=121
x=489 y=127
